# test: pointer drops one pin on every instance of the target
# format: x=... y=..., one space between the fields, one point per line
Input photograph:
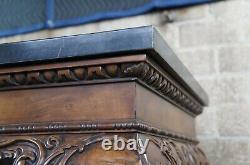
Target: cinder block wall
x=213 y=41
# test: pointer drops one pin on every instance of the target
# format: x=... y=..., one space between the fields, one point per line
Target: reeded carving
x=141 y=70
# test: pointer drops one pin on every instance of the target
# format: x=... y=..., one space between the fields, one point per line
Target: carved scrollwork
x=28 y=150
x=181 y=153
x=58 y=150
x=33 y=151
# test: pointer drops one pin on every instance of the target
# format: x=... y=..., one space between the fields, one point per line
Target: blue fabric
x=17 y=17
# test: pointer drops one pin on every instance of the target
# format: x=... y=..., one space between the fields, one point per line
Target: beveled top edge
x=103 y=44
x=173 y=65
x=84 y=45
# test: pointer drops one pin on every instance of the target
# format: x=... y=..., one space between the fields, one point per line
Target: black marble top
x=111 y=43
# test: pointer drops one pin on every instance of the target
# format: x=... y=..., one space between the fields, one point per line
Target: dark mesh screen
x=21 y=13
x=20 y=16
x=65 y=9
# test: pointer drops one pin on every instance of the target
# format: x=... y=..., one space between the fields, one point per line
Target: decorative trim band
x=180 y=153
x=144 y=71
x=91 y=127
x=151 y=76
x=59 y=150
x=52 y=150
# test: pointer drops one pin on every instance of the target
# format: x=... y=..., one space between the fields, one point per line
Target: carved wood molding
x=180 y=153
x=59 y=150
x=155 y=79
x=32 y=150
x=144 y=71
x=92 y=127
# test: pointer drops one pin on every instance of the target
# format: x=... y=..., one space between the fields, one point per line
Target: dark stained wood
x=86 y=149
x=58 y=113
x=69 y=64
x=65 y=104
x=145 y=40
x=144 y=71
x=100 y=102
x=156 y=111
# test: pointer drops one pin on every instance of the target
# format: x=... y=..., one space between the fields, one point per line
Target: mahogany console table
x=61 y=97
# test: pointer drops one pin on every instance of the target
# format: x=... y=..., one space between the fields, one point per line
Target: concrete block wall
x=213 y=41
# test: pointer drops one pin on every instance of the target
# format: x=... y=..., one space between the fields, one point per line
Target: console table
x=61 y=97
